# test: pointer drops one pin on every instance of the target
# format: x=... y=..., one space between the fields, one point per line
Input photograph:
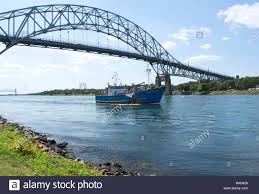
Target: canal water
x=184 y=135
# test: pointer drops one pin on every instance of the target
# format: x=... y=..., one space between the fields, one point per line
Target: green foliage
x=70 y=92
x=28 y=160
x=236 y=84
x=25 y=147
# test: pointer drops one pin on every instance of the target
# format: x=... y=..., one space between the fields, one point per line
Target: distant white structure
x=148 y=71
x=256 y=88
x=82 y=86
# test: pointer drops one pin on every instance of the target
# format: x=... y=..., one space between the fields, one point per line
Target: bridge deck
x=108 y=51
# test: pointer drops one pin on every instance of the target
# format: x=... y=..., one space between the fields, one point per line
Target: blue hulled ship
x=135 y=94
x=123 y=95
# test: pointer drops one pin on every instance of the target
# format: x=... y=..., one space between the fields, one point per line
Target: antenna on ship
x=115 y=77
x=148 y=70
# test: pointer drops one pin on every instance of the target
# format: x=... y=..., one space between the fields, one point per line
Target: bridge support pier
x=158 y=81
x=168 y=85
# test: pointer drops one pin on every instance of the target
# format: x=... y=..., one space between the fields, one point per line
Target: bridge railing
x=86 y=44
x=77 y=43
x=73 y=42
x=206 y=70
x=55 y=39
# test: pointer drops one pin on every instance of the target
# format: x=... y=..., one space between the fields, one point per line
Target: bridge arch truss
x=22 y=26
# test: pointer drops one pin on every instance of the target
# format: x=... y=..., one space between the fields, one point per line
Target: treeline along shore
x=25 y=152
x=247 y=85
x=70 y=92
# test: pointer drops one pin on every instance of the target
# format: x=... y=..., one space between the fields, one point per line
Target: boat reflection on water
x=139 y=127
x=133 y=114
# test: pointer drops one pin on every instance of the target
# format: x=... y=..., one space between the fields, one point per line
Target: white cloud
x=169 y=45
x=182 y=34
x=7 y=69
x=58 y=67
x=109 y=68
x=185 y=34
x=202 y=59
x=205 y=46
x=79 y=58
x=241 y=15
x=225 y=38
x=11 y=66
x=5 y=76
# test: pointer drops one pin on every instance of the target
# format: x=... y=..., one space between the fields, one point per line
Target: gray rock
x=43 y=138
x=36 y=137
x=52 y=141
x=81 y=162
x=62 y=152
x=3 y=121
x=62 y=145
x=20 y=128
x=116 y=164
x=106 y=164
x=70 y=156
x=104 y=171
x=15 y=124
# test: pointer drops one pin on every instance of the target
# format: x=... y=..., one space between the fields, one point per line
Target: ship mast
x=115 y=77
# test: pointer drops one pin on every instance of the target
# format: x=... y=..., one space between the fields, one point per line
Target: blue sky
x=230 y=44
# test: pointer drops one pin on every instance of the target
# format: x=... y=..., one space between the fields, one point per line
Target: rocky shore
x=42 y=141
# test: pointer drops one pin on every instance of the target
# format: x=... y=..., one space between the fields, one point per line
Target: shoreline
x=175 y=93
x=223 y=92
x=62 y=149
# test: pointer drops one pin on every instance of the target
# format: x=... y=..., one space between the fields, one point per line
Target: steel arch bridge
x=13 y=91
x=23 y=26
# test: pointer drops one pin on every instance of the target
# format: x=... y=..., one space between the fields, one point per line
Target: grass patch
x=19 y=156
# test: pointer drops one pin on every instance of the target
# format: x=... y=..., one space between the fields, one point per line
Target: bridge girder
x=20 y=25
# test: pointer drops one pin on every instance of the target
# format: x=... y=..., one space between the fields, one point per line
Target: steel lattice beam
x=19 y=26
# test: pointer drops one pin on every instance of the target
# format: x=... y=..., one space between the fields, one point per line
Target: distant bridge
x=10 y=91
x=23 y=26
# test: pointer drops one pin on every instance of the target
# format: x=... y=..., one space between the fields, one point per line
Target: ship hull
x=143 y=97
